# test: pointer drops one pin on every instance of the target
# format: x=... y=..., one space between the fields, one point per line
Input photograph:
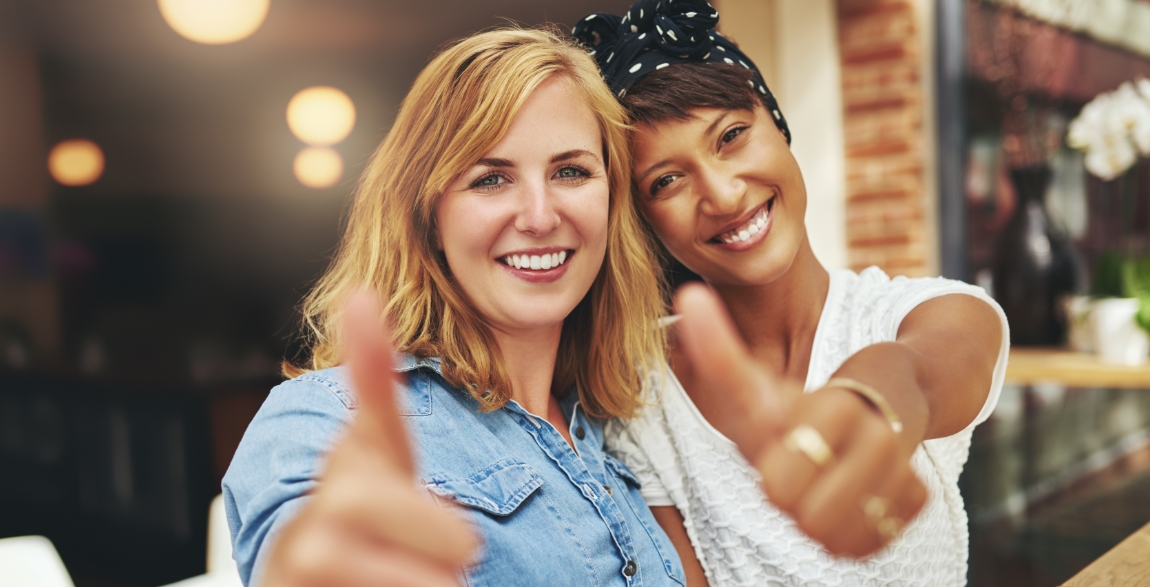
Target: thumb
x=367 y=346
x=750 y=412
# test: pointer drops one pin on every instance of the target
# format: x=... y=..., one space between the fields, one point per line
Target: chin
x=759 y=270
x=536 y=313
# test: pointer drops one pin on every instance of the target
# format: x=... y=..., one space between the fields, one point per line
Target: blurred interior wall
x=889 y=137
x=25 y=181
x=795 y=45
x=27 y=300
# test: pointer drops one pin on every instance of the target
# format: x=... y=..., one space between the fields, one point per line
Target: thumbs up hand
x=368 y=523
x=825 y=458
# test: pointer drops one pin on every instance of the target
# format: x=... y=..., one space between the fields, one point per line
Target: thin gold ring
x=808 y=441
x=876 y=509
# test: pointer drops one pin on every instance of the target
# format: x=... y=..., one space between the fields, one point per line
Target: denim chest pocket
x=667 y=553
x=498 y=489
x=517 y=523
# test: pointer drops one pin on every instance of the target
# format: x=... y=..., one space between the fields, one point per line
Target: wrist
x=872 y=398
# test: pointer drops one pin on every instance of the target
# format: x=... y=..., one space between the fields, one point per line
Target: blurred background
x=173 y=176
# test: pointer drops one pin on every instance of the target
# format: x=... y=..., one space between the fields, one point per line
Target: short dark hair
x=671 y=92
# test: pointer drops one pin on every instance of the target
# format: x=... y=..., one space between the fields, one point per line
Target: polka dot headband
x=659 y=33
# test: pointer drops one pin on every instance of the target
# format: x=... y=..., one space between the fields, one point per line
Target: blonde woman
x=495 y=224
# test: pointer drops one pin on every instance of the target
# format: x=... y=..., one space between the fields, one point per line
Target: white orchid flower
x=1111 y=159
x=1113 y=129
x=1144 y=88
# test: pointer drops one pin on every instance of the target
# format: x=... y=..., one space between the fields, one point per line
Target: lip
x=541 y=276
x=755 y=238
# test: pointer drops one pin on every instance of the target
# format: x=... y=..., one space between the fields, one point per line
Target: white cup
x=1119 y=338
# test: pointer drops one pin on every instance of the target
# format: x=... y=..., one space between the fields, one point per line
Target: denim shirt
x=547 y=514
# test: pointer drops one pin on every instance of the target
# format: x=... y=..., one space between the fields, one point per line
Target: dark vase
x=1034 y=264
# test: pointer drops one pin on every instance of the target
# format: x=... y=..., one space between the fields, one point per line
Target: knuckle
x=816 y=525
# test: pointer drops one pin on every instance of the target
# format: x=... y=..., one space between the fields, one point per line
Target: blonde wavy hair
x=460 y=106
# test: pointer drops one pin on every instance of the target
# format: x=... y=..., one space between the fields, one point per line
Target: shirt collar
x=402 y=363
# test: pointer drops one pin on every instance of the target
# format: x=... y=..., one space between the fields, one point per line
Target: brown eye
x=661 y=183
x=733 y=134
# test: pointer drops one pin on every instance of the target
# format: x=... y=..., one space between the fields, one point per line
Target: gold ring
x=876 y=509
x=808 y=441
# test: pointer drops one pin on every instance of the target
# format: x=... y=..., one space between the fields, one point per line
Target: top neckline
x=831 y=306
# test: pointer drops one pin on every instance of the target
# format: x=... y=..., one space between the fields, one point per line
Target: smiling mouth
x=542 y=262
x=748 y=229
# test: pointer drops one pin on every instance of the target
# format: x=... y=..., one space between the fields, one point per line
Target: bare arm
x=672 y=523
x=938 y=373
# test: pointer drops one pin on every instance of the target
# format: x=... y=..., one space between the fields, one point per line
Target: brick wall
x=887 y=220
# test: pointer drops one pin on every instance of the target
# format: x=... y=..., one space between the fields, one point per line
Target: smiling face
x=524 y=230
x=723 y=192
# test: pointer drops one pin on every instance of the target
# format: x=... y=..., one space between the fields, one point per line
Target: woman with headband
x=495 y=222
x=846 y=399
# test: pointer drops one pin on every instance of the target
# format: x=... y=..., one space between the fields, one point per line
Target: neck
x=778 y=319
x=530 y=357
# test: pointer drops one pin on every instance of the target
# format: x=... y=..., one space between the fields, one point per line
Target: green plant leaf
x=1135 y=276
x=1108 y=275
x=1143 y=315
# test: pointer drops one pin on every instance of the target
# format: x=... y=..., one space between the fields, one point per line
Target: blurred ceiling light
x=76 y=162
x=318 y=167
x=214 y=22
x=321 y=115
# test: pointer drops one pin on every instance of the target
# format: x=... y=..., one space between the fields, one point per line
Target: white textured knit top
x=740 y=538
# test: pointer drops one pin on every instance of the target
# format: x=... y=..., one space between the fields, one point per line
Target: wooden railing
x=1126 y=565
x=1072 y=369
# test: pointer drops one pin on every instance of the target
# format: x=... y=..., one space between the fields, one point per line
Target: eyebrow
x=564 y=156
x=664 y=163
x=495 y=162
x=573 y=154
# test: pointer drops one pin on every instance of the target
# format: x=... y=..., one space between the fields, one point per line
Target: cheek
x=673 y=226
x=463 y=230
x=589 y=213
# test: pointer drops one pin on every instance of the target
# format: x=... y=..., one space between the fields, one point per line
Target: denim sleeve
x=277 y=464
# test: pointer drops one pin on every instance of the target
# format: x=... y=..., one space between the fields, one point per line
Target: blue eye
x=572 y=174
x=488 y=182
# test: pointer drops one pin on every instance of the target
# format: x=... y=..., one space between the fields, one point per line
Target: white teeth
x=751 y=228
x=536 y=262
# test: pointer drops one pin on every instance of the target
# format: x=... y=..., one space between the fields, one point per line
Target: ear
x=436 y=239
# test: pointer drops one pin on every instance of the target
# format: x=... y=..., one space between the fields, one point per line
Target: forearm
x=936 y=381
x=894 y=370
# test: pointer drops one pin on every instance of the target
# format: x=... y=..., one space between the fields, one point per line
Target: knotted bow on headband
x=658 y=33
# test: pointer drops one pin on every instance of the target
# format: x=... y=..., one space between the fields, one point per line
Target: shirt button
x=630 y=569
x=580 y=433
x=609 y=491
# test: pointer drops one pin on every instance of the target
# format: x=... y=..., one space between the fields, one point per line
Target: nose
x=537 y=214
x=721 y=191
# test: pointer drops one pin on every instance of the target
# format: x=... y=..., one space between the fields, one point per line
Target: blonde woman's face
x=524 y=230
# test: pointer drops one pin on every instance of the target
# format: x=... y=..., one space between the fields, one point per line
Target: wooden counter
x=1037 y=365
x=1127 y=564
